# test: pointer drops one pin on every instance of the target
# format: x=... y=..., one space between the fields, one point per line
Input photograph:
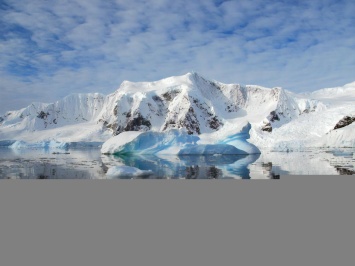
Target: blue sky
x=49 y=48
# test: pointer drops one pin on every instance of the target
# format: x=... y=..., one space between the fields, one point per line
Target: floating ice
x=176 y=142
x=127 y=171
x=169 y=142
x=239 y=141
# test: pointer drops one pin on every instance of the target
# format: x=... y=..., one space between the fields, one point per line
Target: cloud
x=52 y=48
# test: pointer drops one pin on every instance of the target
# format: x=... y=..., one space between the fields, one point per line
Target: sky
x=49 y=48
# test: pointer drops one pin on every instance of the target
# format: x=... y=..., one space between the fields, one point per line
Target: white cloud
x=52 y=48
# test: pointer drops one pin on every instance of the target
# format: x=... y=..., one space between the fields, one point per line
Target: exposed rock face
x=189 y=102
x=267 y=128
x=347 y=120
x=344 y=171
x=42 y=115
x=190 y=122
x=138 y=123
x=215 y=123
x=273 y=116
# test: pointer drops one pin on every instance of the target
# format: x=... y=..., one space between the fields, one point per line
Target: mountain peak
x=193 y=76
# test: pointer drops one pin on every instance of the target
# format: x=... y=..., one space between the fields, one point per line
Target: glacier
x=251 y=118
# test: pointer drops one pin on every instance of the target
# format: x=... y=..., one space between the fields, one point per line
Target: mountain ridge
x=211 y=109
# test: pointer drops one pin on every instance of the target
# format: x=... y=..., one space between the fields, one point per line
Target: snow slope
x=217 y=113
x=315 y=126
x=72 y=119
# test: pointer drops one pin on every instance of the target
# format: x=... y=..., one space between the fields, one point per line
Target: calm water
x=90 y=164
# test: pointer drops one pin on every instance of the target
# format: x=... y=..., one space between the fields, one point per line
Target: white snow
x=341 y=137
x=314 y=128
x=115 y=144
x=17 y=145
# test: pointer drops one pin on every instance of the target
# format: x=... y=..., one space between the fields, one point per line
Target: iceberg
x=239 y=140
x=176 y=141
x=150 y=142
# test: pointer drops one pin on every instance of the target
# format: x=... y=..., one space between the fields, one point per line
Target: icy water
x=90 y=164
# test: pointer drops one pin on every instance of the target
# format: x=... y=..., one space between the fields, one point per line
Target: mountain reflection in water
x=189 y=166
x=91 y=164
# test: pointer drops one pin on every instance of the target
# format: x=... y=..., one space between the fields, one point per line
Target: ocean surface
x=90 y=164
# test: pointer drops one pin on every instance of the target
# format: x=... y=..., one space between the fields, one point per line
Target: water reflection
x=90 y=164
x=43 y=164
x=188 y=166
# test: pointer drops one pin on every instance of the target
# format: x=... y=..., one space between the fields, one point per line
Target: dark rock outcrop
x=347 y=120
x=138 y=123
x=215 y=123
x=267 y=128
x=344 y=171
x=273 y=116
x=42 y=115
x=190 y=123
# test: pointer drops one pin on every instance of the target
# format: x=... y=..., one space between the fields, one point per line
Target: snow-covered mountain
x=70 y=119
x=194 y=103
x=215 y=112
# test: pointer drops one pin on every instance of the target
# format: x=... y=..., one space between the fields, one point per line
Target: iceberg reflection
x=187 y=166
